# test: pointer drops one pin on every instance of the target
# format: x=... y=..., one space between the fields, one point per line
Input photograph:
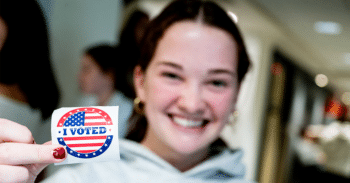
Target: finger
x=34 y=170
x=48 y=143
x=14 y=132
x=14 y=174
x=20 y=154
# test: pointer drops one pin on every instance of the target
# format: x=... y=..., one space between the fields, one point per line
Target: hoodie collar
x=223 y=161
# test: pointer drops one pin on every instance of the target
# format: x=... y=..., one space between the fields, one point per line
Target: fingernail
x=59 y=153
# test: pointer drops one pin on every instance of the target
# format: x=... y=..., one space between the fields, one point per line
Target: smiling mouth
x=189 y=123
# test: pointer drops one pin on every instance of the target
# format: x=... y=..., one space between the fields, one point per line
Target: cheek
x=83 y=79
x=159 y=94
x=90 y=80
x=222 y=103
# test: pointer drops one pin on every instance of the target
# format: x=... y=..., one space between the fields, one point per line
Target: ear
x=139 y=78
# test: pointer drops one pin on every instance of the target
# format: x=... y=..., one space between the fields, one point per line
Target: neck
x=13 y=92
x=181 y=161
x=104 y=97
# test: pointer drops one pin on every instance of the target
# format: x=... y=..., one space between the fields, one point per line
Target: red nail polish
x=59 y=153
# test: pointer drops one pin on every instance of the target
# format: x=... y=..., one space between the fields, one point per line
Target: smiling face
x=189 y=88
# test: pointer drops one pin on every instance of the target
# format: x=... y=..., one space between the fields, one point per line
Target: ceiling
x=332 y=50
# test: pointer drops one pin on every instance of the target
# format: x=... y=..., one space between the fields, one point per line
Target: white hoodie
x=139 y=164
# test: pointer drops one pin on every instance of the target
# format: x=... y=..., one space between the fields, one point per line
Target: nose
x=191 y=100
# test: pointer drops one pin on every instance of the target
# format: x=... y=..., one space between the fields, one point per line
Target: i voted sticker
x=89 y=134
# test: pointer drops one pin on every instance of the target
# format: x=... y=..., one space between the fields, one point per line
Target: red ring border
x=88 y=109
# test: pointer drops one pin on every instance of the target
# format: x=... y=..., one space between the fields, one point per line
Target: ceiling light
x=331 y=28
x=233 y=16
x=321 y=80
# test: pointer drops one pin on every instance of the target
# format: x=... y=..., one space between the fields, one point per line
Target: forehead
x=189 y=42
x=88 y=60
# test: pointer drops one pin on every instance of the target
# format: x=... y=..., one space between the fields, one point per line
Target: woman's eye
x=218 y=83
x=171 y=75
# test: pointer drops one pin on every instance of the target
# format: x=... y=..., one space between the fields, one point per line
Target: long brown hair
x=212 y=15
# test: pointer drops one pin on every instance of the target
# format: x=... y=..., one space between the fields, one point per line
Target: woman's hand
x=21 y=160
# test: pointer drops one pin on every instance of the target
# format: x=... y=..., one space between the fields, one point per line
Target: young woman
x=28 y=90
x=99 y=76
x=187 y=81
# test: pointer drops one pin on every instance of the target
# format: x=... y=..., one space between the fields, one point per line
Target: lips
x=188 y=122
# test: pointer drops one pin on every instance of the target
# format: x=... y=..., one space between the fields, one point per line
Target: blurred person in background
x=99 y=76
x=130 y=38
x=309 y=159
x=334 y=141
x=187 y=82
x=28 y=90
x=323 y=152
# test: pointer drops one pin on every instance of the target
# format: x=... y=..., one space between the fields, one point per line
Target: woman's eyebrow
x=223 y=71
x=171 y=64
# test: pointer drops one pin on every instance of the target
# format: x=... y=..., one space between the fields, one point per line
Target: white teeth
x=187 y=123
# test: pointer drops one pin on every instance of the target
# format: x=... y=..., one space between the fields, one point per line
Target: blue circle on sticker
x=85 y=132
